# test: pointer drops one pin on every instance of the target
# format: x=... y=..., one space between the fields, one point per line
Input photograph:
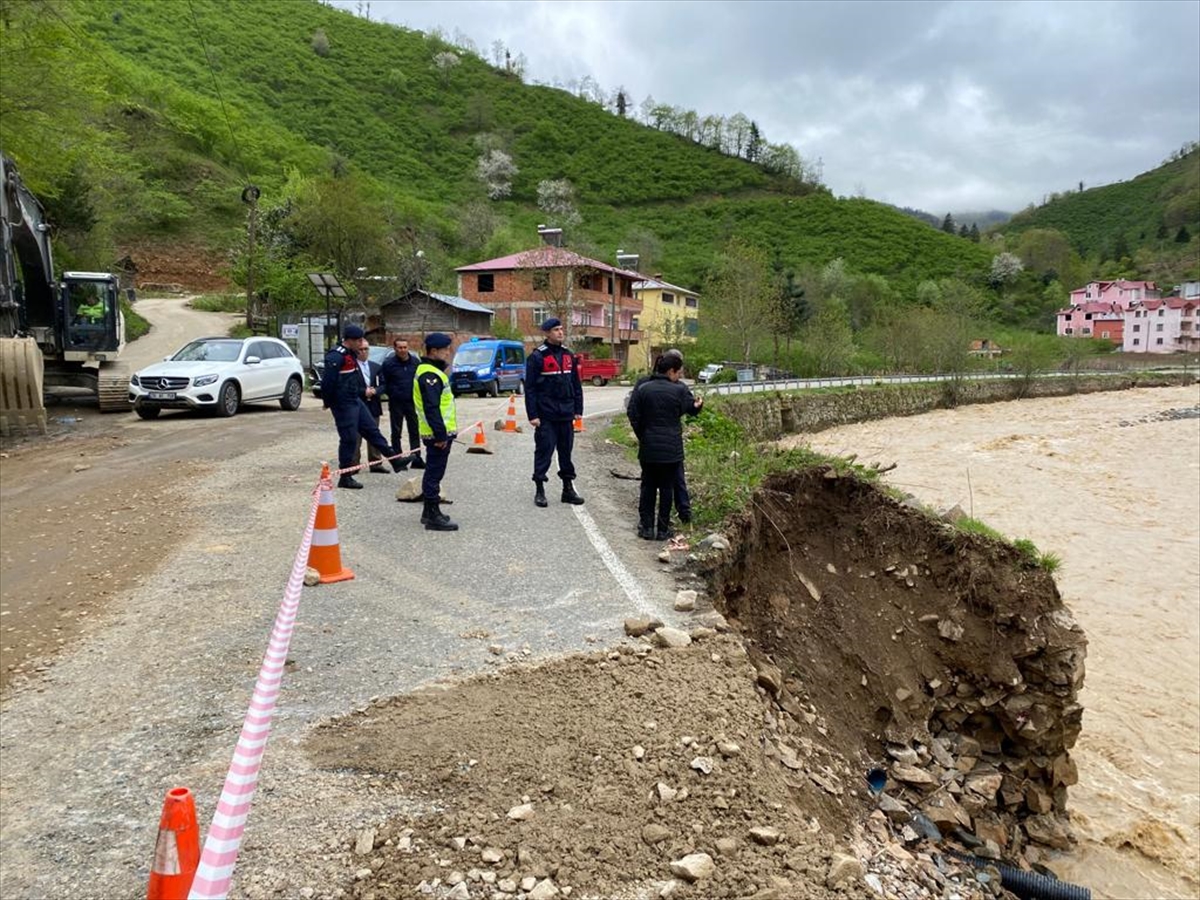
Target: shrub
x=320 y=43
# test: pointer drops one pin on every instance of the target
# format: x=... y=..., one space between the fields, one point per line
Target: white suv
x=708 y=372
x=219 y=374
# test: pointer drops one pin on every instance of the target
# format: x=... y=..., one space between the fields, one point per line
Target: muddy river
x=1111 y=484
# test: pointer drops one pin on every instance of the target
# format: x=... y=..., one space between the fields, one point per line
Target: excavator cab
x=91 y=316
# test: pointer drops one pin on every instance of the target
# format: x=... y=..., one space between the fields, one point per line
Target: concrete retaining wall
x=771 y=416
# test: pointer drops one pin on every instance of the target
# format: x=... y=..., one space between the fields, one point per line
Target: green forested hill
x=180 y=138
x=140 y=122
x=1155 y=215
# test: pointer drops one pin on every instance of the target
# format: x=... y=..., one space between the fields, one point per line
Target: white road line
x=624 y=578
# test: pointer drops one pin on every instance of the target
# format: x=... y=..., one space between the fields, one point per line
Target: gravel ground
x=155 y=699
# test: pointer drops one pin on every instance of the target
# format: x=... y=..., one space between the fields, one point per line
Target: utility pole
x=250 y=197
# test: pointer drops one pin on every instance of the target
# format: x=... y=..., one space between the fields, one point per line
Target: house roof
x=545 y=257
x=450 y=300
x=1094 y=306
x=1121 y=283
x=654 y=284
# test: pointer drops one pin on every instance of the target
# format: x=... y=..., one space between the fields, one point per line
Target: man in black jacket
x=655 y=410
x=342 y=395
x=399 y=369
x=372 y=387
x=553 y=398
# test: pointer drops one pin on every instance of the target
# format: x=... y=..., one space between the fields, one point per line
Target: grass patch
x=1051 y=562
x=968 y=525
x=135 y=324
x=230 y=303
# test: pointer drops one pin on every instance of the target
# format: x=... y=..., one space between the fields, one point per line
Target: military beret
x=551 y=323
x=437 y=340
x=353 y=333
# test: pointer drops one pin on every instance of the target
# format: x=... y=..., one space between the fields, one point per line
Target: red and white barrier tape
x=350 y=470
x=224 y=839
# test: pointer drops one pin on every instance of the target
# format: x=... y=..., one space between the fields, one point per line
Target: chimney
x=551 y=237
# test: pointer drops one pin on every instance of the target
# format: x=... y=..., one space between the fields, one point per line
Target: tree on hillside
x=622 y=103
x=320 y=43
x=828 y=341
x=496 y=170
x=737 y=131
x=948 y=224
x=556 y=198
x=738 y=297
x=444 y=63
x=1006 y=267
x=336 y=222
x=754 y=142
x=962 y=230
x=789 y=308
x=974 y=234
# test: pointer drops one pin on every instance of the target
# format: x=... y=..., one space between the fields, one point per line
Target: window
x=584 y=280
x=1158 y=327
x=1158 y=341
x=541 y=281
x=514 y=356
x=1087 y=331
x=1069 y=331
x=1088 y=317
x=668 y=298
x=540 y=315
x=1136 y=341
x=610 y=284
x=691 y=302
x=1137 y=327
x=487 y=282
x=1161 y=311
x=1104 y=334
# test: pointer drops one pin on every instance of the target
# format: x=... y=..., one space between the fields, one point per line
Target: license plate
x=162 y=395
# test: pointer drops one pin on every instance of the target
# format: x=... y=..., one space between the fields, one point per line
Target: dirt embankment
x=944 y=658
x=864 y=634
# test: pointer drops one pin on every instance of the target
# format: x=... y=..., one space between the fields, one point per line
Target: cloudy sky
x=942 y=105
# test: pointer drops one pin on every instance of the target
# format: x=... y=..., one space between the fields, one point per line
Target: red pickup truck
x=598 y=371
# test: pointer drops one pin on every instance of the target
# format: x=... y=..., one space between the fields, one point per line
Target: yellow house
x=669 y=317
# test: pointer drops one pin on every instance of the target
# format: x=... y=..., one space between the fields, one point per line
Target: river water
x=1110 y=483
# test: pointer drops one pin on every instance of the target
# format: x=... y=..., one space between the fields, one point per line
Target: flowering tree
x=496 y=170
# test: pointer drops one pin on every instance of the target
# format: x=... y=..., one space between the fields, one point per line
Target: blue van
x=488 y=367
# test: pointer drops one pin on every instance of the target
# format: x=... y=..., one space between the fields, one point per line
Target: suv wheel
x=147 y=412
x=229 y=399
x=291 y=395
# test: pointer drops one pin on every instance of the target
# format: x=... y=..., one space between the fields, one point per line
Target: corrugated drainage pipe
x=1028 y=885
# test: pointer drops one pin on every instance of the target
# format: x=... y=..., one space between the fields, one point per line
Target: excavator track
x=112 y=387
x=21 y=377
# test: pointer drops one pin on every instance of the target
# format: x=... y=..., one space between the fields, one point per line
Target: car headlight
x=205 y=379
x=484 y=373
x=133 y=379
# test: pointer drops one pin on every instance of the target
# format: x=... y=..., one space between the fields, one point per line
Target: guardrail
x=800 y=384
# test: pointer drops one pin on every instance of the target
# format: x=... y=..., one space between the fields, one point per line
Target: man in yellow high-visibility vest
x=437 y=424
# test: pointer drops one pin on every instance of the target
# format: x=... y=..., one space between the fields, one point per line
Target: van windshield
x=474 y=356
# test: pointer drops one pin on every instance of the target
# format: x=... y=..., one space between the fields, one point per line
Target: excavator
x=55 y=333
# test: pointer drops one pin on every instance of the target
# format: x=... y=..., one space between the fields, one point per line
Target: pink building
x=1105 y=321
x=1162 y=326
x=1122 y=293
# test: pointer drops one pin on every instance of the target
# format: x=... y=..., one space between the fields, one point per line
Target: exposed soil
x=193 y=268
x=836 y=661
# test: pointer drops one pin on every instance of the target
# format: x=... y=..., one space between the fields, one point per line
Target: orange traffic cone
x=177 y=851
x=578 y=424
x=510 y=420
x=325 y=554
x=480 y=443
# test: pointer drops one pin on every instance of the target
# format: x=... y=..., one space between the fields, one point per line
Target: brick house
x=528 y=287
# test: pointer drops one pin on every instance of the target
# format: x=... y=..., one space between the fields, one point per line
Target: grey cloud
x=937 y=104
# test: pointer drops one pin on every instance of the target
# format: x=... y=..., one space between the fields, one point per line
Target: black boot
x=347 y=481
x=435 y=519
x=417 y=462
x=646 y=532
x=569 y=495
x=539 y=496
x=400 y=463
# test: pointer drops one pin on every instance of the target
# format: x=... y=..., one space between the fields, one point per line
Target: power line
x=220 y=97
